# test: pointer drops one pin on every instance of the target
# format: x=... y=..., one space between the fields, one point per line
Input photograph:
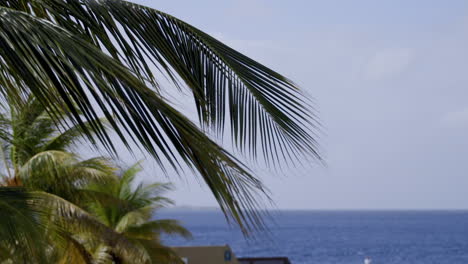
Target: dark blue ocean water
x=340 y=237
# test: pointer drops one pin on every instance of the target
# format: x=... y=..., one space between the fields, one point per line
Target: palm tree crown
x=133 y=214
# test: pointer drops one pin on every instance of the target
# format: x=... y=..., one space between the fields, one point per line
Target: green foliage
x=21 y=231
x=63 y=64
x=28 y=128
x=38 y=227
x=86 y=57
x=42 y=221
x=134 y=215
x=63 y=174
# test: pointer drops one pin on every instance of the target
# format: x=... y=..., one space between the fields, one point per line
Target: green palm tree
x=133 y=216
x=38 y=154
x=87 y=57
x=44 y=183
x=39 y=227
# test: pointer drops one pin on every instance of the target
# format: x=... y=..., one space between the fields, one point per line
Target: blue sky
x=390 y=81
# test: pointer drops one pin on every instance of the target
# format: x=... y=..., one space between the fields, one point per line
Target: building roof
x=207 y=254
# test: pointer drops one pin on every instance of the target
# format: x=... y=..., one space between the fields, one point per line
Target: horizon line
x=190 y=207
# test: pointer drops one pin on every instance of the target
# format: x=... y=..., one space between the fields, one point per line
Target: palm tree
x=38 y=227
x=38 y=154
x=133 y=216
x=86 y=57
x=38 y=196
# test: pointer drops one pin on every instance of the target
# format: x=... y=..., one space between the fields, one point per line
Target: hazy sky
x=390 y=79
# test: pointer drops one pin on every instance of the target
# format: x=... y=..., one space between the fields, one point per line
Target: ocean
x=338 y=237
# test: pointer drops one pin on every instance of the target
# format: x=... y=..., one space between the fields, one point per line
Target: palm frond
x=134 y=217
x=20 y=226
x=266 y=110
x=74 y=252
x=93 y=56
x=133 y=205
x=101 y=255
x=158 y=253
x=29 y=128
x=70 y=218
x=69 y=137
x=61 y=173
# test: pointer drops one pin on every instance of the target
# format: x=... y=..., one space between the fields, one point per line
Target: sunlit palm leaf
x=74 y=252
x=30 y=220
x=71 y=219
x=61 y=173
x=158 y=253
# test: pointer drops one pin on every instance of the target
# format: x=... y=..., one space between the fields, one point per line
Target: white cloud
x=387 y=63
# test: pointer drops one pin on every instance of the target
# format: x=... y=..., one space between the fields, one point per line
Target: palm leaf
x=61 y=173
x=20 y=229
x=69 y=137
x=158 y=253
x=63 y=58
x=265 y=109
x=74 y=252
x=134 y=218
x=71 y=219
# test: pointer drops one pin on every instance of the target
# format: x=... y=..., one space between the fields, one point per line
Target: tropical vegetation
x=66 y=63
x=53 y=199
x=133 y=216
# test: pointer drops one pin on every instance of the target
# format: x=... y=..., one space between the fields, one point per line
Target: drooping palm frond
x=96 y=56
x=85 y=228
x=60 y=63
x=38 y=227
x=73 y=251
x=265 y=109
x=69 y=137
x=158 y=253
